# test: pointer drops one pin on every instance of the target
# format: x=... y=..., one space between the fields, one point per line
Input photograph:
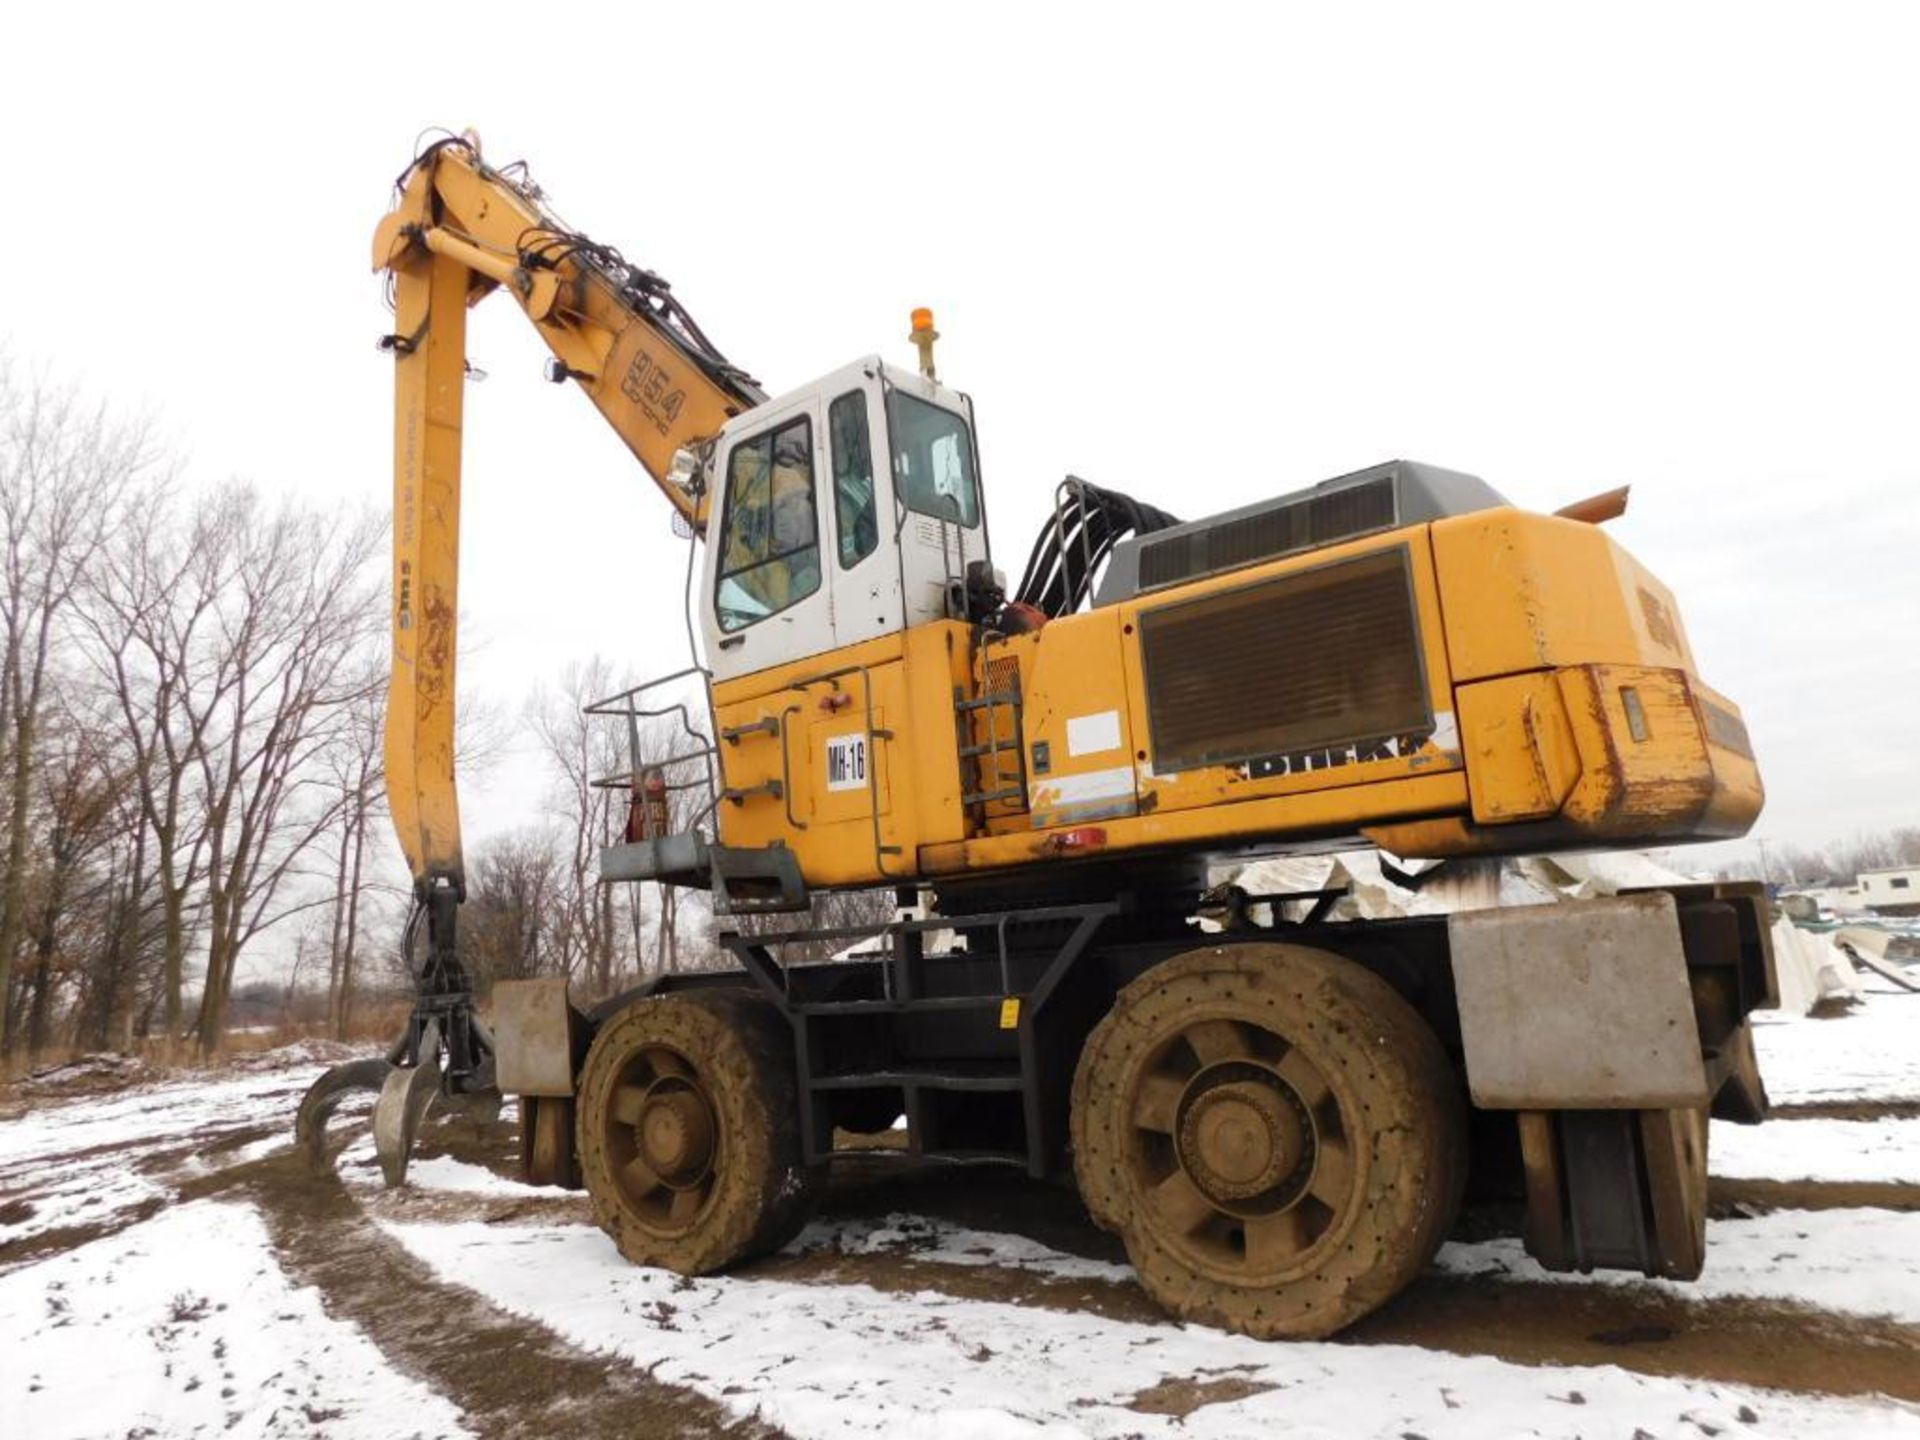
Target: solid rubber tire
x=1400 y=1102
x=742 y=1051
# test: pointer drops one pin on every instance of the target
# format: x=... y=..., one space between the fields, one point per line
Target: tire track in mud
x=1846 y=1110
x=163 y=1160
x=1727 y=1198
x=511 y=1377
x=62 y=1238
x=904 y=1274
x=1775 y=1345
x=1767 y=1344
x=1770 y=1344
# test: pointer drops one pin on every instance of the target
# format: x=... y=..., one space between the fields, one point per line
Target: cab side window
x=932 y=460
x=853 y=503
x=770 y=541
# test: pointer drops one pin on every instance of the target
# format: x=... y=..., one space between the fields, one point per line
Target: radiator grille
x=1317 y=660
x=1318 y=520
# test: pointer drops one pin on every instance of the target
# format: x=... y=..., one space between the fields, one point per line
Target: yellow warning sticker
x=1010 y=1013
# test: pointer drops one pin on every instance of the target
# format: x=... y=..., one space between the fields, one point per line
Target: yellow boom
x=459 y=230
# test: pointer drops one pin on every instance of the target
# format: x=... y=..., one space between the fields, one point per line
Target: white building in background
x=1888 y=892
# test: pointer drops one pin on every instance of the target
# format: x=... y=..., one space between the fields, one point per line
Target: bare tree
x=75 y=816
x=152 y=602
x=289 y=630
x=122 y=976
x=227 y=633
x=512 y=925
x=64 y=469
x=355 y=770
x=581 y=749
x=1838 y=862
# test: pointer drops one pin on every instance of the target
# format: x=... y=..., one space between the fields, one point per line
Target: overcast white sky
x=1199 y=253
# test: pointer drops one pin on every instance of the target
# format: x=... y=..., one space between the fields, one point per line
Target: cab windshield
x=933 y=460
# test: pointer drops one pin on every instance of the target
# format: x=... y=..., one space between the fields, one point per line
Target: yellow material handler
x=1276 y=1110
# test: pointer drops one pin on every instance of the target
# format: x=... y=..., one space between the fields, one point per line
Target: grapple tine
x=404 y=1097
x=324 y=1096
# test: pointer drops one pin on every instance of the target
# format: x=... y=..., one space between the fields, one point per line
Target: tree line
x=1836 y=863
x=182 y=672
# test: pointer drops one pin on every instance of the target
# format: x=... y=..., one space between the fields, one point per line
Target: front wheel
x=1276 y=1134
x=689 y=1131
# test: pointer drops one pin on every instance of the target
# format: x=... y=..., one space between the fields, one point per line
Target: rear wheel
x=689 y=1131
x=1275 y=1133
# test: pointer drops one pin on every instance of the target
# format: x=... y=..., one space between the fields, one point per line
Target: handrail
x=786 y=772
x=600 y=707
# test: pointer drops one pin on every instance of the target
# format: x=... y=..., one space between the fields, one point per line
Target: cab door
x=767 y=606
x=907 y=515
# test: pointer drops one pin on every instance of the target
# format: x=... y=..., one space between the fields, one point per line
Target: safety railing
x=676 y=768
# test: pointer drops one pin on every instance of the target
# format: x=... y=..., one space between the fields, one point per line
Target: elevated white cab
x=843 y=510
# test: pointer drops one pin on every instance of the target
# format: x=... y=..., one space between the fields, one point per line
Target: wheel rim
x=1238 y=1149
x=662 y=1137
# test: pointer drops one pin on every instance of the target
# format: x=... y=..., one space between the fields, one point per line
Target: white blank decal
x=1090 y=734
x=1093 y=785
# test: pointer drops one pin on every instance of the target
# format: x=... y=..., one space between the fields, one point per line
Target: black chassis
x=975 y=1042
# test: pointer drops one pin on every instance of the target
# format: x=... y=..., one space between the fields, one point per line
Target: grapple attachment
x=323 y=1097
x=446 y=1052
x=404 y=1097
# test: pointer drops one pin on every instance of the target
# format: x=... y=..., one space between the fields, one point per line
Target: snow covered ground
x=852 y=1360
x=128 y=1308
x=1852 y=1261
x=1837 y=1150
x=90 y=1162
x=1871 y=1054
x=943 y=1243
x=185 y=1325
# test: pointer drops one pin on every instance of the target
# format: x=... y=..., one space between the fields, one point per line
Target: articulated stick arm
x=460 y=230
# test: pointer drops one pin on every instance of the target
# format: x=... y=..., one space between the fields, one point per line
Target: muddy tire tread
x=763 y=1192
x=1387 y=1060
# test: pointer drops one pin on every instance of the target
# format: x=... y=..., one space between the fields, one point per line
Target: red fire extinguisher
x=647 y=811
